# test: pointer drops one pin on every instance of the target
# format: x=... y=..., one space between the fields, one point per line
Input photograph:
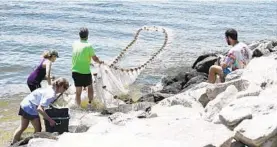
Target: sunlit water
x=29 y=27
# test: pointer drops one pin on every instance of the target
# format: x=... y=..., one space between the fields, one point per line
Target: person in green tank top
x=82 y=54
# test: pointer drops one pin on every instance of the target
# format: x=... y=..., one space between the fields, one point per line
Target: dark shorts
x=226 y=71
x=33 y=87
x=81 y=80
x=26 y=115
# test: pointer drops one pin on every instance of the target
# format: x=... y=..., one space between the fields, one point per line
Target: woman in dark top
x=42 y=71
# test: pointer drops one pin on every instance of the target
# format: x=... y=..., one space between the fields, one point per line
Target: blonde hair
x=49 y=53
x=46 y=54
x=61 y=82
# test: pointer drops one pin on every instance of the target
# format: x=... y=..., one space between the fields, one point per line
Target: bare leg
x=90 y=93
x=17 y=134
x=36 y=124
x=78 y=95
x=215 y=70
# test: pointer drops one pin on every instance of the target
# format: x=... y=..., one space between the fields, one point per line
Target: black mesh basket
x=61 y=117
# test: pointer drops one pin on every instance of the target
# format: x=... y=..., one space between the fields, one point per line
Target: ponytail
x=46 y=54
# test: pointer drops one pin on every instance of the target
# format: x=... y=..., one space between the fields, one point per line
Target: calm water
x=30 y=27
x=27 y=28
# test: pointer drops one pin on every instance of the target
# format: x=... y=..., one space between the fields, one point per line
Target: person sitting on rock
x=237 y=58
x=34 y=103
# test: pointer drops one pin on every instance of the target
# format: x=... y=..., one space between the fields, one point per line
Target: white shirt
x=238 y=56
x=41 y=96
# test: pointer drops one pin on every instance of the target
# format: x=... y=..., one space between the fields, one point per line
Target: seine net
x=111 y=81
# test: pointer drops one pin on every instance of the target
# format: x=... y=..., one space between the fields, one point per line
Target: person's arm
x=48 y=71
x=93 y=55
x=223 y=65
x=96 y=59
x=41 y=111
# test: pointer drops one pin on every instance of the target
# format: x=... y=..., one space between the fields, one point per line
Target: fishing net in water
x=111 y=84
x=111 y=81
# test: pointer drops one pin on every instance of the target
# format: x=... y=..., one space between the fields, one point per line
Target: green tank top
x=81 y=56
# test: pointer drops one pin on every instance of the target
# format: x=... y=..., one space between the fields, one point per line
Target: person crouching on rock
x=42 y=71
x=34 y=104
x=237 y=57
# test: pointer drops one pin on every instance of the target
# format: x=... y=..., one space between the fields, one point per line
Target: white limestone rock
x=41 y=142
x=232 y=118
x=252 y=90
x=112 y=140
x=269 y=92
x=199 y=93
x=257 y=131
x=181 y=99
x=125 y=108
x=119 y=118
x=177 y=111
x=214 y=107
x=215 y=89
x=160 y=131
x=234 y=75
x=261 y=70
x=246 y=108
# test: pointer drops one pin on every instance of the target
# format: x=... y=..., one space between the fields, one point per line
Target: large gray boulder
x=194 y=81
x=154 y=97
x=182 y=81
x=262 y=47
x=204 y=62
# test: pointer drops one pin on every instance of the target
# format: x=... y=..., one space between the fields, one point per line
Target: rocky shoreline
x=184 y=110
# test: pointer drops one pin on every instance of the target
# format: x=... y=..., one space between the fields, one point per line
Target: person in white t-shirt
x=34 y=104
x=237 y=58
